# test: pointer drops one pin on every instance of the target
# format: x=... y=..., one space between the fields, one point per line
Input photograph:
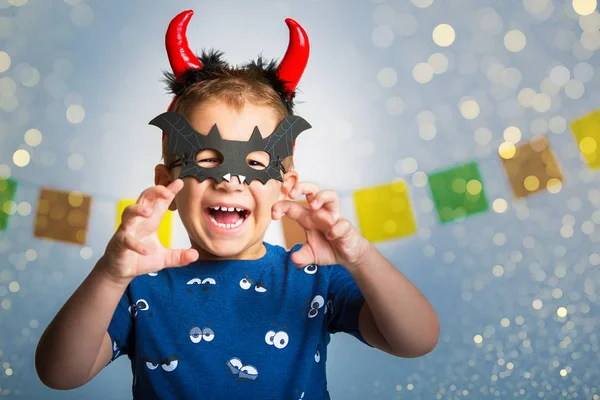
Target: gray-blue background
x=108 y=56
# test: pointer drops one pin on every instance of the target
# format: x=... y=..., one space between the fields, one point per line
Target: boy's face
x=230 y=234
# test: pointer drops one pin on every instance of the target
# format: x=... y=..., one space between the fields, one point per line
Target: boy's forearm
x=71 y=343
x=403 y=315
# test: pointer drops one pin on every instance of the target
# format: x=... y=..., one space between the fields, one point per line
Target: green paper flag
x=458 y=192
x=8 y=187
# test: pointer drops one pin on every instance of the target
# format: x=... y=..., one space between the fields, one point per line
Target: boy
x=232 y=317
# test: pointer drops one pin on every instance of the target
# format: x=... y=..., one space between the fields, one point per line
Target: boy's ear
x=162 y=177
x=289 y=180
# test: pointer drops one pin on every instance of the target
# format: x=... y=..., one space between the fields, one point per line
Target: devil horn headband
x=182 y=58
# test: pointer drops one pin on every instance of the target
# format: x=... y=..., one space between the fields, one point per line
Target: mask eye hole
x=258 y=159
x=209 y=158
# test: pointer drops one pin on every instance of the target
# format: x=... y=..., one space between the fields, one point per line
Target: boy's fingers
x=303 y=188
x=303 y=256
x=131 y=212
x=178 y=258
x=340 y=229
x=131 y=243
x=289 y=208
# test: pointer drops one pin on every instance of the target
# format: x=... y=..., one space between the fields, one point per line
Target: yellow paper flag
x=384 y=212
x=164 y=230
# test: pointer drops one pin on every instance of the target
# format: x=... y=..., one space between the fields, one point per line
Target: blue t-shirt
x=235 y=329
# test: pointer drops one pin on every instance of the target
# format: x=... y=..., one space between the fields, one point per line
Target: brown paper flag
x=62 y=216
x=532 y=168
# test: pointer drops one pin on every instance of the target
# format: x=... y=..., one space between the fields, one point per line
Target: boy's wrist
x=102 y=271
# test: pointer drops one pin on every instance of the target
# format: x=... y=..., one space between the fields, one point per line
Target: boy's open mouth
x=227 y=217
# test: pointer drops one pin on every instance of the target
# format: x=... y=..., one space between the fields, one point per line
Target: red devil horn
x=294 y=62
x=180 y=56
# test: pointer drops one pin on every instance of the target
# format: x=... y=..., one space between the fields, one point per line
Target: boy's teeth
x=238 y=209
x=227 y=226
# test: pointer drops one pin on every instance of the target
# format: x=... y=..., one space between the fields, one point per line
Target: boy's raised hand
x=135 y=248
x=329 y=238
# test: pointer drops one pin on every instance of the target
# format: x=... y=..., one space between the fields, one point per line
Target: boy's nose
x=231 y=182
x=227 y=177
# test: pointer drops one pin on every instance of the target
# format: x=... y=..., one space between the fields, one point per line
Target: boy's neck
x=254 y=252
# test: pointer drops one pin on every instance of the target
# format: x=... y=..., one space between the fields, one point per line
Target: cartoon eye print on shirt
x=206 y=284
x=116 y=349
x=311 y=269
x=152 y=273
x=246 y=283
x=243 y=372
x=198 y=334
x=315 y=305
x=140 y=305
x=317 y=355
x=278 y=339
x=168 y=364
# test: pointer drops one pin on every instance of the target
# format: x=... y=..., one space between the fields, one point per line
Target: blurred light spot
x=478 y=339
x=557 y=124
x=514 y=41
x=474 y=187
x=443 y=35
x=500 y=205
x=75 y=199
x=584 y=7
x=438 y=62
x=427 y=131
x=483 y=136
x=469 y=109
x=498 y=270
x=554 y=185
x=419 y=179
x=537 y=304
x=14 y=287
x=561 y=312
x=387 y=77
x=588 y=145
x=394 y=106
x=75 y=114
x=86 y=253
x=75 y=162
x=422 y=3
x=21 y=158
x=526 y=97
x=24 y=208
x=382 y=36
x=512 y=134
x=29 y=76
x=560 y=75
x=4 y=61
x=531 y=183
x=541 y=102
x=82 y=15
x=574 y=89
x=33 y=137
x=422 y=72
x=507 y=150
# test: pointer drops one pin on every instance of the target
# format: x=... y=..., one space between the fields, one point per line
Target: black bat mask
x=185 y=142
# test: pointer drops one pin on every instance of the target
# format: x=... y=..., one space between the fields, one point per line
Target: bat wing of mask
x=280 y=144
x=184 y=141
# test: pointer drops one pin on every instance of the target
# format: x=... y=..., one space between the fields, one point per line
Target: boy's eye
x=253 y=163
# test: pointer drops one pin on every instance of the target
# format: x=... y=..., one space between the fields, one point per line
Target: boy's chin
x=231 y=249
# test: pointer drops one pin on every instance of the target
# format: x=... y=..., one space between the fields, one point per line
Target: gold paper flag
x=531 y=167
x=62 y=216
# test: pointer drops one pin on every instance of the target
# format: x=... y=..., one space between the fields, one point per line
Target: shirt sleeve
x=120 y=328
x=344 y=302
